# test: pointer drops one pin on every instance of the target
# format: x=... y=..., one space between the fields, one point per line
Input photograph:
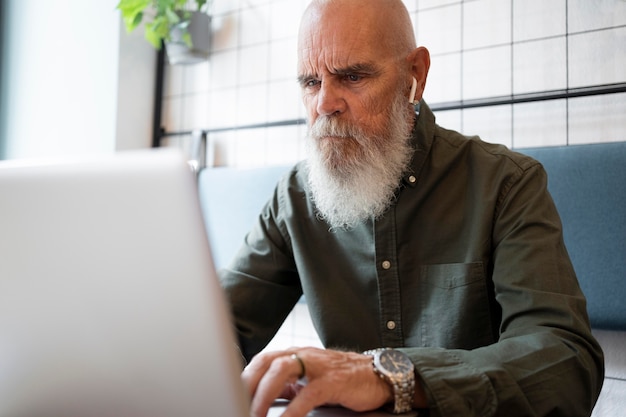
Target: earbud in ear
x=413 y=91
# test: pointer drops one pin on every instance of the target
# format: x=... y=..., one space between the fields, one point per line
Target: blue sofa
x=588 y=184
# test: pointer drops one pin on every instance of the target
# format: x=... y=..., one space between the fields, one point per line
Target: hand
x=333 y=377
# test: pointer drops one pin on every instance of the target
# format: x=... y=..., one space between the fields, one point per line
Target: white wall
x=135 y=90
x=63 y=80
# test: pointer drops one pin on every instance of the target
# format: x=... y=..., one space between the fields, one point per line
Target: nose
x=330 y=99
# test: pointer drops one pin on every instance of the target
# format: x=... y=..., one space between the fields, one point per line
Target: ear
x=419 y=62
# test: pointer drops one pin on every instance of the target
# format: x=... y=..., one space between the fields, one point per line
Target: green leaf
x=161 y=27
x=163 y=6
x=136 y=21
x=172 y=17
x=187 y=39
x=130 y=8
x=132 y=12
x=152 y=36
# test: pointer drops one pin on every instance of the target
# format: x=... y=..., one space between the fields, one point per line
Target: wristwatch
x=396 y=368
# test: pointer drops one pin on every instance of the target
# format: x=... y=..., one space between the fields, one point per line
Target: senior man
x=432 y=263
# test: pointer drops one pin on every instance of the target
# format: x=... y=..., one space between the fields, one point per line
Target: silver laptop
x=109 y=301
x=109 y=304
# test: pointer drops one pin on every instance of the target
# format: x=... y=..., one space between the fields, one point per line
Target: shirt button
x=386 y=264
x=391 y=324
x=412 y=179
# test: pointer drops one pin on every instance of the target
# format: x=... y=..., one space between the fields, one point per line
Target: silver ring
x=301 y=362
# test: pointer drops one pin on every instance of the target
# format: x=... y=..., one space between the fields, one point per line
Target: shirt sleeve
x=261 y=302
x=545 y=362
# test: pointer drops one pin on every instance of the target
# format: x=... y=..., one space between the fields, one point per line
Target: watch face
x=394 y=362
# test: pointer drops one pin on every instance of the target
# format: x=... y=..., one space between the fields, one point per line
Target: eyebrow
x=360 y=68
x=364 y=67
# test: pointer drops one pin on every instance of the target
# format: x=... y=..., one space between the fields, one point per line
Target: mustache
x=331 y=126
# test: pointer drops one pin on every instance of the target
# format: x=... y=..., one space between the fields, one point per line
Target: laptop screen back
x=109 y=303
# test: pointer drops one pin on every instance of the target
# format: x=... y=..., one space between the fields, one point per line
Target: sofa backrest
x=588 y=185
x=231 y=200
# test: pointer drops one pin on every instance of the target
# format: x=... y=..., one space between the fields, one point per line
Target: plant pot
x=178 y=53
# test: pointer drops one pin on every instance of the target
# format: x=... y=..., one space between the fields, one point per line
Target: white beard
x=353 y=175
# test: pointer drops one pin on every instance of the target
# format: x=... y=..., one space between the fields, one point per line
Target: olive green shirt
x=466 y=272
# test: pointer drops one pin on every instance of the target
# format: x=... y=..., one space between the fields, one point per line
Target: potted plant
x=182 y=25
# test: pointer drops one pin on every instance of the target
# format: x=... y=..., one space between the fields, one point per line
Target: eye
x=353 y=78
x=309 y=83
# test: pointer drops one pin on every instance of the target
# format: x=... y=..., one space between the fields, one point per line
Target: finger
x=309 y=397
x=282 y=371
x=257 y=367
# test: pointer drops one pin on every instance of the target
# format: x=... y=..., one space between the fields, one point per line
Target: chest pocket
x=455 y=311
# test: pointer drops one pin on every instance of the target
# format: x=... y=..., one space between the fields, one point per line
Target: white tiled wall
x=479 y=49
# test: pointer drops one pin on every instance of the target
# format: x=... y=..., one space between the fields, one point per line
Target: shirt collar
x=422 y=140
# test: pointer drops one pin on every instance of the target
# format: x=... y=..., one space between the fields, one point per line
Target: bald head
x=385 y=24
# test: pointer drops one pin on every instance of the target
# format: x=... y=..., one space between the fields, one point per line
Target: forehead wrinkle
x=335 y=60
x=334 y=48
